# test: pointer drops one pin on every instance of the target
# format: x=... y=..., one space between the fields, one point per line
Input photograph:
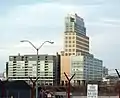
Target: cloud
x=106 y=46
x=80 y=2
x=34 y=22
x=109 y=21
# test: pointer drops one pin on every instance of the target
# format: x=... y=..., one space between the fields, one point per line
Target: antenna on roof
x=18 y=54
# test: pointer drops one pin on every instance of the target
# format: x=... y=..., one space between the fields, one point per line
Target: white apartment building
x=23 y=67
x=86 y=68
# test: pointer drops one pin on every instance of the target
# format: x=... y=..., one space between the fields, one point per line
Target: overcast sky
x=40 y=20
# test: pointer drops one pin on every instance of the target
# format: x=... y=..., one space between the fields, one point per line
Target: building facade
x=75 y=39
x=86 y=68
x=23 y=67
x=65 y=62
x=75 y=58
x=105 y=71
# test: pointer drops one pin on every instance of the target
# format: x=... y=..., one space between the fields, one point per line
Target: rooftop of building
x=33 y=55
x=73 y=15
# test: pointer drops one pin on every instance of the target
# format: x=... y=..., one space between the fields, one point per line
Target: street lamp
x=37 y=50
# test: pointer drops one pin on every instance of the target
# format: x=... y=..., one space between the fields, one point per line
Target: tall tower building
x=75 y=40
x=76 y=58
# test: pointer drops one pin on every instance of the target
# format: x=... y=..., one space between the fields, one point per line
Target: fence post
x=69 y=80
x=118 y=81
x=18 y=94
x=33 y=86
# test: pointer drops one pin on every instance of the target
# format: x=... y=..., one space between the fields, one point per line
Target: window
x=46 y=61
x=22 y=58
x=46 y=66
x=66 y=54
x=46 y=74
x=70 y=50
x=46 y=69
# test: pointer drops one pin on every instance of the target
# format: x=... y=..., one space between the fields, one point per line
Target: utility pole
x=118 y=81
x=69 y=80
